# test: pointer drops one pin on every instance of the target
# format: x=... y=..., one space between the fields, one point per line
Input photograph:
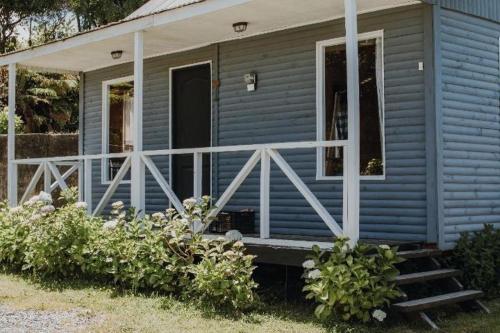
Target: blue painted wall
x=469 y=100
x=283 y=109
x=489 y=9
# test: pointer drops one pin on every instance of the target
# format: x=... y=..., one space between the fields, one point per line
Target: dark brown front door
x=191 y=117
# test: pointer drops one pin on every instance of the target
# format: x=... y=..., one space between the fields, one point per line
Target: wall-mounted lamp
x=240 y=27
x=251 y=81
x=116 y=54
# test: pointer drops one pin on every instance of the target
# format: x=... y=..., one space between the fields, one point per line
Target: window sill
x=339 y=178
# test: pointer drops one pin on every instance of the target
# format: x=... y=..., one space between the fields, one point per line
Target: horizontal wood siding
x=283 y=109
x=471 y=123
x=156 y=118
x=489 y=9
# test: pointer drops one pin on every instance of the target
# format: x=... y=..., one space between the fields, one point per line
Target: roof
x=155 y=6
x=172 y=26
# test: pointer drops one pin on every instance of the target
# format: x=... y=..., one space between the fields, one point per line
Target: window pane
x=121 y=106
x=370 y=108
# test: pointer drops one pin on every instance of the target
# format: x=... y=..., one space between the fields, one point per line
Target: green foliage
x=159 y=252
x=352 y=282
x=69 y=196
x=223 y=278
x=477 y=255
x=58 y=243
x=4 y=122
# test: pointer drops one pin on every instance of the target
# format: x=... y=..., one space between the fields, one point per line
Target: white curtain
x=128 y=116
x=380 y=85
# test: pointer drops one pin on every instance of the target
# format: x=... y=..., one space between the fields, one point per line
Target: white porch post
x=351 y=228
x=137 y=188
x=11 y=140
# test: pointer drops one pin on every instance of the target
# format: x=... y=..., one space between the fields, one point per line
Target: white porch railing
x=263 y=153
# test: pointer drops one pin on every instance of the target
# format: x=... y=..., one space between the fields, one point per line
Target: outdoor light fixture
x=251 y=81
x=240 y=27
x=116 y=54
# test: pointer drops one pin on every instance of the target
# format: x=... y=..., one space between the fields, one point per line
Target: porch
x=139 y=39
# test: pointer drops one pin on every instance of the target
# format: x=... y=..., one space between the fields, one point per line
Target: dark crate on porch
x=244 y=221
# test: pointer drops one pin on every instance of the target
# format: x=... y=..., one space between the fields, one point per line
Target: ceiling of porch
x=192 y=26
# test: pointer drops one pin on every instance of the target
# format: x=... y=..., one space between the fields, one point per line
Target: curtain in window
x=380 y=83
x=128 y=115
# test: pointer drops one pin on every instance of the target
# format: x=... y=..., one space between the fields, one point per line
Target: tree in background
x=90 y=14
x=48 y=102
x=14 y=13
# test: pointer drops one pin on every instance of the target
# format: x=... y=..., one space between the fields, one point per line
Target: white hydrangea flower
x=189 y=203
x=47 y=209
x=171 y=211
x=110 y=225
x=233 y=235
x=315 y=274
x=34 y=218
x=379 y=315
x=158 y=216
x=384 y=247
x=33 y=200
x=118 y=205
x=16 y=210
x=345 y=248
x=308 y=264
x=81 y=205
x=108 y=260
x=45 y=197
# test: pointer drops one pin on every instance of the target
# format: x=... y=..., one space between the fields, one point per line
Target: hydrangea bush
x=163 y=251
x=352 y=283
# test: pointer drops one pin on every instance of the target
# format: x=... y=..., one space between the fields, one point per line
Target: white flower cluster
x=233 y=235
x=81 y=205
x=47 y=209
x=309 y=264
x=42 y=197
x=189 y=203
x=314 y=274
x=119 y=205
x=158 y=216
x=110 y=225
x=379 y=315
x=384 y=247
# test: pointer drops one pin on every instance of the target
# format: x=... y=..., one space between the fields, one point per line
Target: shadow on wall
x=34 y=146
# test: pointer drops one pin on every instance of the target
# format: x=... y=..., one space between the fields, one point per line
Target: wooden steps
x=421 y=253
x=439 y=300
x=442 y=284
x=426 y=276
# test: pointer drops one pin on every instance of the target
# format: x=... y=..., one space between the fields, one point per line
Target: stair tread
x=435 y=301
x=422 y=253
x=426 y=276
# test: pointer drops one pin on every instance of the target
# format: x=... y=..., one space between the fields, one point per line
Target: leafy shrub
x=352 y=282
x=158 y=252
x=4 y=122
x=478 y=256
x=14 y=231
x=143 y=254
x=223 y=278
x=58 y=243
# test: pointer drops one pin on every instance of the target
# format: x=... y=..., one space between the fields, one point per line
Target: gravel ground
x=31 y=321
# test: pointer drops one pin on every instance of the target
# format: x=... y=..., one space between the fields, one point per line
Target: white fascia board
x=121 y=29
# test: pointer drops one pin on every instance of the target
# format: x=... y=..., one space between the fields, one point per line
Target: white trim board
x=105 y=127
x=170 y=105
x=378 y=35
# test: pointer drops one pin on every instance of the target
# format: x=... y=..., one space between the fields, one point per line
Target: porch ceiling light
x=116 y=54
x=240 y=27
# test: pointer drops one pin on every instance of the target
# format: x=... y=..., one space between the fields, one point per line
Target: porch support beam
x=351 y=226
x=137 y=188
x=11 y=139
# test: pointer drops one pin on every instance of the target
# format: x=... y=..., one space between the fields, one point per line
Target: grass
x=127 y=312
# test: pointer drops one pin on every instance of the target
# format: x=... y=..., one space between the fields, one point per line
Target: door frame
x=170 y=104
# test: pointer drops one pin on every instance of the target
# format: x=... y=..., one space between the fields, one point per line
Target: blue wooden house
x=373 y=119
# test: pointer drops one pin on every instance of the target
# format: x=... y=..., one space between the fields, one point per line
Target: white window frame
x=105 y=127
x=378 y=35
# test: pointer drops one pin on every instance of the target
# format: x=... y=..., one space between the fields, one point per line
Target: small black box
x=244 y=221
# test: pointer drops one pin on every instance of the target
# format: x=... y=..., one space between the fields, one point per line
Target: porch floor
x=292 y=250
